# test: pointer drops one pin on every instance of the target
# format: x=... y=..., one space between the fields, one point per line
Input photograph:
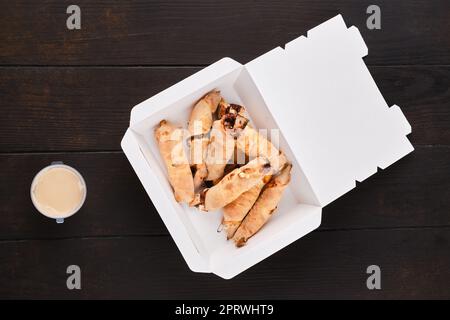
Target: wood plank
x=116 y=203
x=203 y=31
x=423 y=93
x=413 y=192
x=67 y=109
x=324 y=265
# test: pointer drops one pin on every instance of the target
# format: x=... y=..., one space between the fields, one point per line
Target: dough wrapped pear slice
x=170 y=143
x=200 y=123
x=235 y=183
x=222 y=139
x=220 y=150
x=235 y=212
x=201 y=118
x=254 y=144
x=198 y=147
x=264 y=206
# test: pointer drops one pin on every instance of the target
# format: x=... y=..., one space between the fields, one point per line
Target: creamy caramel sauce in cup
x=58 y=191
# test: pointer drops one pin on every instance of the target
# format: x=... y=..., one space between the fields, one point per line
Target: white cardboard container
x=335 y=126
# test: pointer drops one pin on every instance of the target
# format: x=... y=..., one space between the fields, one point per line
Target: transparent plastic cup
x=58 y=218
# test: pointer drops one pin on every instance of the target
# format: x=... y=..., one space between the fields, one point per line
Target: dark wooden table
x=66 y=95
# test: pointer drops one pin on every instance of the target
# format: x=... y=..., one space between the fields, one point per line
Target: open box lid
x=329 y=108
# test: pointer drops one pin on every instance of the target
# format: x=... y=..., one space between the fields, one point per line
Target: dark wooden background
x=66 y=95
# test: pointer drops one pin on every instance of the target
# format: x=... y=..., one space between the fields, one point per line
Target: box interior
x=298 y=203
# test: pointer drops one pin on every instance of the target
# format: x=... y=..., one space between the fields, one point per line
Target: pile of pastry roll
x=210 y=177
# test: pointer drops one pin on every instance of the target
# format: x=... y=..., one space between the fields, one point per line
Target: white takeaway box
x=335 y=126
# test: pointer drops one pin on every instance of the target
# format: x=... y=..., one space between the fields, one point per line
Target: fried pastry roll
x=170 y=142
x=235 y=212
x=198 y=150
x=255 y=145
x=235 y=183
x=200 y=123
x=201 y=118
x=220 y=150
x=222 y=139
x=264 y=206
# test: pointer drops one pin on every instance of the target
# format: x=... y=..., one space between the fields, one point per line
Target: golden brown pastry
x=170 y=142
x=264 y=206
x=200 y=123
x=198 y=150
x=235 y=212
x=235 y=183
x=255 y=145
x=256 y=172
x=222 y=108
x=222 y=139
x=220 y=150
x=201 y=118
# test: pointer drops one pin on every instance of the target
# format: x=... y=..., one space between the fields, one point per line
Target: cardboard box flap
x=329 y=108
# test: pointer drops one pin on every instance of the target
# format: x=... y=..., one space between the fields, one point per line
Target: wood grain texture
x=67 y=95
x=411 y=193
x=200 y=32
x=116 y=202
x=88 y=109
x=414 y=264
x=67 y=109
